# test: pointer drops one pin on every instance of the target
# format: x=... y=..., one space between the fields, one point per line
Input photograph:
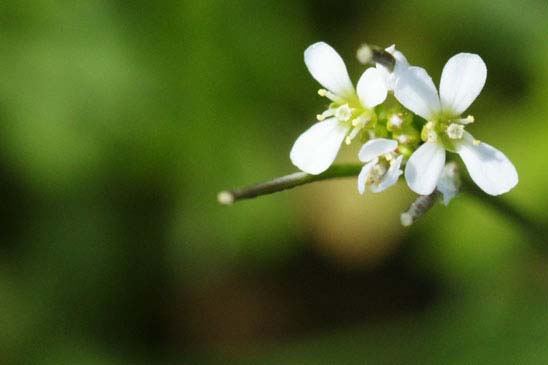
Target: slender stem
x=536 y=230
x=228 y=197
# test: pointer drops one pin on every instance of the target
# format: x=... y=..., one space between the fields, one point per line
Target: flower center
x=445 y=130
x=455 y=131
x=343 y=113
x=377 y=173
x=380 y=169
x=349 y=113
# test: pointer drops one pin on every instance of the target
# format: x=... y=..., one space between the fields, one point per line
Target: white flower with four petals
x=315 y=149
x=461 y=82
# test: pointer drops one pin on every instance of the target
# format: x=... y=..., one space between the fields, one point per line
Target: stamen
x=360 y=121
x=468 y=120
x=429 y=125
x=328 y=94
x=476 y=142
x=455 y=131
x=352 y=135
x=326 y=114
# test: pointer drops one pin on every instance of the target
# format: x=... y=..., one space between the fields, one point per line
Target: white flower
x=315 y=150
x=461 y=82
x=382 y=167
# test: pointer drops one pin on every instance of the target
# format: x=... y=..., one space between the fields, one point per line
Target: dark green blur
x=121 y=120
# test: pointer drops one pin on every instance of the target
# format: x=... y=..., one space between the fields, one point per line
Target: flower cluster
x=403 y=123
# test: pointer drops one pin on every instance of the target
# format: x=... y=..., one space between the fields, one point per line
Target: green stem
x=228 y=197
x=535 y=230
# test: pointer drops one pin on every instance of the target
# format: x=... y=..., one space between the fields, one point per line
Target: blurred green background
x=120 y=121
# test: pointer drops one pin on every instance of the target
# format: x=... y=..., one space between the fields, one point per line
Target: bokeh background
x=121 y=120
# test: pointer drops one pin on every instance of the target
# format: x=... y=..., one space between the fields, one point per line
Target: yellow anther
x=348 y=140
x=468 y=120
x=429 y=125
x=476 y=142
x=328 y=94
x=326 y=114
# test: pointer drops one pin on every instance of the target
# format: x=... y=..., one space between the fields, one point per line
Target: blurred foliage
x=119 y=122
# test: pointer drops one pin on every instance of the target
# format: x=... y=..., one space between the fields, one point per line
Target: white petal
x=376 y=147
x=417 y=92
x=391 y=176
x=364 y=174
x=401 y=61
x=372 y=88
x=328 y=68
x=461 y=82
x=400 y=58
x=391 y=48
x=449 y=182
x=391 y=77
x=424 y=168
x=387 y=76
x=490 y=169
x=315 y=150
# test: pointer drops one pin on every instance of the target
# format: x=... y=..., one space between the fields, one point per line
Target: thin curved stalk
x=228 y=197
x=534 y=229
